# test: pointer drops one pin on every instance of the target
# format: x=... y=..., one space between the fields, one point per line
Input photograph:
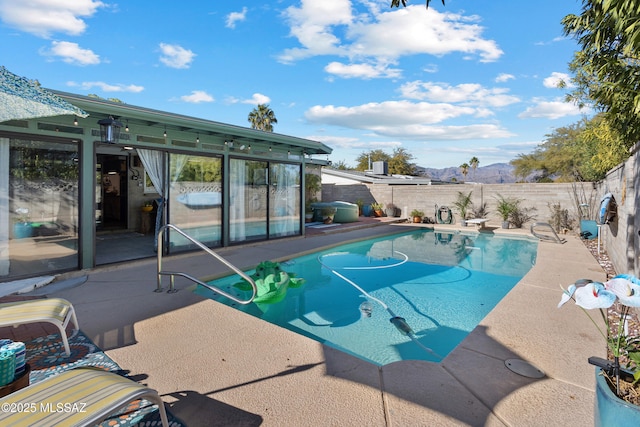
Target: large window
x=195 y=196
x=38 y=206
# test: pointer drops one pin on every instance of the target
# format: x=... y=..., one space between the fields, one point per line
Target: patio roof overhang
x=162 y=121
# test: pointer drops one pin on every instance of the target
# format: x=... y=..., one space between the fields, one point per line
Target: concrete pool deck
x=216 y=366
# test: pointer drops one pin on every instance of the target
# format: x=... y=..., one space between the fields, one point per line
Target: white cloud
x=338 y=141
x=464 y=94
x=106 y=87
x=234 y=17
x=175 y=56
x=550 y=110
x=431 y=68
x=256 y=98
x=415 y=30
x=407 y=120
x=197 y=96
x=449 y=133
x=44 y=17
x=72 y=53
x=375 y=115
x=555 y=78
x=362 y=71
x=504 y=77
x=312 y=24
x=519 y=147
x=330 y=28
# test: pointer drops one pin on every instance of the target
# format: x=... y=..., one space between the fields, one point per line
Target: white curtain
x=237 y=213
x=283 y=200
x=179 y=160
x=153 y=162
x=4 y=207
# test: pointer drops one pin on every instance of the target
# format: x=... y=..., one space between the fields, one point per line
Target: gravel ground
x=627 y=391
x=614 y=311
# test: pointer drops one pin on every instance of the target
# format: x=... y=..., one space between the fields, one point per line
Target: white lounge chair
x=56 y=311
x=79 y=397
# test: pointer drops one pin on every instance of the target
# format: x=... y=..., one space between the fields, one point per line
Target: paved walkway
x=216 y=366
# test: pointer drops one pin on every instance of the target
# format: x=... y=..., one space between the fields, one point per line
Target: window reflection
x=38 y=206
x=195 y=199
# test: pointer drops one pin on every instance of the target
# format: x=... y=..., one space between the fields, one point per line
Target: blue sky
x=472 y=78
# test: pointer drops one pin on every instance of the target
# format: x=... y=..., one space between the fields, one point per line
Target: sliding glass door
x=247 y=200
x=39 y=182
x=195 y=199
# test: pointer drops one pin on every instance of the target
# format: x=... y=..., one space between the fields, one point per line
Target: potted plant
x=22 y=227
x=328 y=214
x=505 y=207
x=360 y=204
x=390 y=210
x=312 y=185
x=366 y=210
x=377 y=209
x=617 y=380
x=463 y=203
x=416 y=216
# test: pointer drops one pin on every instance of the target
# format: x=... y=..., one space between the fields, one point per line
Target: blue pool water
x=441 y=285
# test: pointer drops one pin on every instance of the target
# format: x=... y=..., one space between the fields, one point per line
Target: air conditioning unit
x=380 y=168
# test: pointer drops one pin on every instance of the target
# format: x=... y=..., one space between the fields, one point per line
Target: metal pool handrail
x=551 y=238
x=172 y=274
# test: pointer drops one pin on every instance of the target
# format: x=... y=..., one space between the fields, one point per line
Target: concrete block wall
x=620 y=238
x=426 y=197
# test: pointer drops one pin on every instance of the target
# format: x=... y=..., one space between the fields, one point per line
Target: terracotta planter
x=417 y=219
x=377 y=213
x=609 y=409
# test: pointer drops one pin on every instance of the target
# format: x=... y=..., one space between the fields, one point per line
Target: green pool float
x=271 y=283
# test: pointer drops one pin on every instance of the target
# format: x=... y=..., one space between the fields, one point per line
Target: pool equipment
x=608 y=209
x=444 y=215
x=345 y=211
x=399 y=322
x=366 y=308
x=201 y=200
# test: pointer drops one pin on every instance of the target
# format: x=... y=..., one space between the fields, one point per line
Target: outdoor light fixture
x=109 y=130
x=198 y=138
x=126 y=128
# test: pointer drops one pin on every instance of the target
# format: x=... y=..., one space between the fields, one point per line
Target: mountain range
x=497 y=173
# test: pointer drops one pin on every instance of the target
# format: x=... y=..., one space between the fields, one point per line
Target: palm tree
x=474 y=165
x=262 y=118
x=464 y=168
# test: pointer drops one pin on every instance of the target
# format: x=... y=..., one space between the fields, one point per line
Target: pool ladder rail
x=172 y=274
x=551 y=235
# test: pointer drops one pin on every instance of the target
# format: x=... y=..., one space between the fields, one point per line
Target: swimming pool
x=411 y=296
